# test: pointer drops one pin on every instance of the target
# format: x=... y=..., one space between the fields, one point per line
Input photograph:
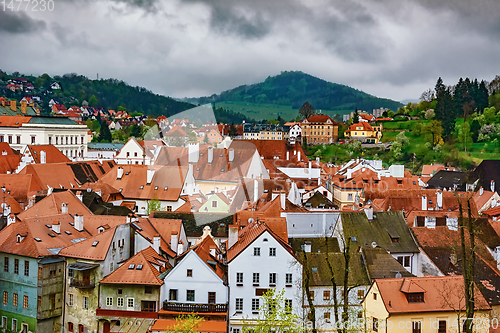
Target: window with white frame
x=272 y=252
x=130 y=302
x=109 y=301
x=255 y=304
x=239 y=304
x=4 y=322
x=256 y=278
x=14 y=325
x=272 y=278
x=119 y=302
x=239 y=277
x=71 y=299
x=85 y=302
x=256 y=251
x=288 y=278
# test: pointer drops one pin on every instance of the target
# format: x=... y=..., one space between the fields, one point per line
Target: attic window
x=142 y=186
x=266 y=191
x=395 y=239
x=131 y=266
x=48 y=226
x=400 y=181
x=68 y=232
x=415 y=298
x=314 y=269
x=353 y=239
x=121 y=189
x=264 y=240
x=139 y=267
x=136 y=226
x=156 y=187
x=72 y=224
x=38 y=239
x=52 y=235
x=414 y=183
x=127 y=173
x=94 y=244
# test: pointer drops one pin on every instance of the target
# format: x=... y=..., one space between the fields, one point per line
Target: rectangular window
x=26 y=268
x=272 y=252
x=16 y=266
x=239 y=304
x=33 y=140
x=18 y=140
x=25 y=301
x=255 y=304
x=311 y=293
x=288 y=279
x=211 y=297
x=349 y=196
x=169 y=208
x=39 y=303
x=119 y=302
x=375 y=296
x=272 y=278
x=130 y=302
x=14 y=325
x=214 y=204
x=5 y=298
x=375 y=324
x=85 y=303
x=326 y=295
x=190 y=295
x=189 y=273
x=416 y=327
x=4 y=322
x=6 y=264
x=109 y=301
x=14 y=299
x=148 y=289
x=1 y=138
x=256 y=251
x=326 y=316
x=256 y=278
x=173 y=295
x=52 y=301
x=71 y=299
x=10 y=139
x=442 y=326
x=70 y=327
x=239 y=278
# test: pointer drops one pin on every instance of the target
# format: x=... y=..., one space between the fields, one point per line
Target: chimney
x=298 y=156
x=287 y=155
x=24 y=107
x=492 y=186
x=481 y=191
x=233 y=236
x=231 y=154
x=11 y=219
x=424 y=202
x=149 y=176
x=317 y=160
x=3 y=102
x=56 y=227
x=255 y=190
x=310 y=170
x=64 y=208
x=43 y=157
x=119 y=173
x=78 y=222
x=174 y=240
x=307 y=246
x=156 y=243
x=282 y=200
x=129 y=218
x=13 y=105
x=497 y=250
x=369 y=213
x=210 y=154
x=79 y=195
x=439 y=199
x=193 y=153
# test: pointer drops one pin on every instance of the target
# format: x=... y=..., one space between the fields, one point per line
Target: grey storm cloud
x=19 y=23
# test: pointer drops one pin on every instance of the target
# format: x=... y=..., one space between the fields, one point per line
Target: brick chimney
x=13 y=105
x=24 y=107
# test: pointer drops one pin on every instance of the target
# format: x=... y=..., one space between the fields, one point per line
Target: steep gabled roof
x=202 y=249
x=52 y=154
x=380 y=264
x=139 y=270
x=52 y=205
x=319 y=118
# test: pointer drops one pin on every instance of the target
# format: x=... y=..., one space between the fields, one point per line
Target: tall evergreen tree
x=104 y=133
x=445 y=111
x=439 y=86
x=482 y=97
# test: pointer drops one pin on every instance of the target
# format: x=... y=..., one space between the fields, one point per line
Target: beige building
x=320 y=129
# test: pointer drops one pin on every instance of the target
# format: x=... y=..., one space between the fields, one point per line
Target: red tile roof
x=85 y=249
x=434 y=168
x=439 y=293
x=365 y=127
x=52 y=205
x=176 y=131
x=13 y=121
x=52 y=154
x=139 y=269
x=212 y=326
x=319 y=118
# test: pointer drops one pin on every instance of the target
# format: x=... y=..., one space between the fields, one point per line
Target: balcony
x=192 y=307
x=82 y=284
x=128 y=314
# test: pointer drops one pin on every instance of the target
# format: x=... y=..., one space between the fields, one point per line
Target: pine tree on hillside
x=445 y=111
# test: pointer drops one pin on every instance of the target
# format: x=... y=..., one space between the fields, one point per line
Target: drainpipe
x=64 y=299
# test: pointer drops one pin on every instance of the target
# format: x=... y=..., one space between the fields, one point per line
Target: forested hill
x=294 y=88
x=110 y=94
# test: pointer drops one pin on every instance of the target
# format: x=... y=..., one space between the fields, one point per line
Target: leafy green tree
x=187 y=323
x=434 y=128
x=275 y=315
x=154 y=205
x=306 y=110
x=93 y=101
x=233 y=131
x=135 y=131
x=464 y=134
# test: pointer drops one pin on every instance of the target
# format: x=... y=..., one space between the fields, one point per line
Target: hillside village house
x=424 y=304
x=364 y=132
x=320 y=129
x=138 y=152
x=65 y=134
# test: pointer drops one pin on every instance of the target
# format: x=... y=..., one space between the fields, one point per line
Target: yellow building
x=427 y=304
x=364 y=132
x=320 y=129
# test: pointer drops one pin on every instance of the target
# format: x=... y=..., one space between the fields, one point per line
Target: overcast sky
x=186 y=48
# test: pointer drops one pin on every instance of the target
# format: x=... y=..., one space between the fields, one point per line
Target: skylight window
x=222 y=170
x=139 y=267
x=127 y=173
x=142 y=187
x=156 y=187
x=52 y=235
x=68 y=232
x=48 y=226
x=166 y=187
x=94 y=244
x=38 y=239
x=315 y=269
x=131 y=266
x=136 y=226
